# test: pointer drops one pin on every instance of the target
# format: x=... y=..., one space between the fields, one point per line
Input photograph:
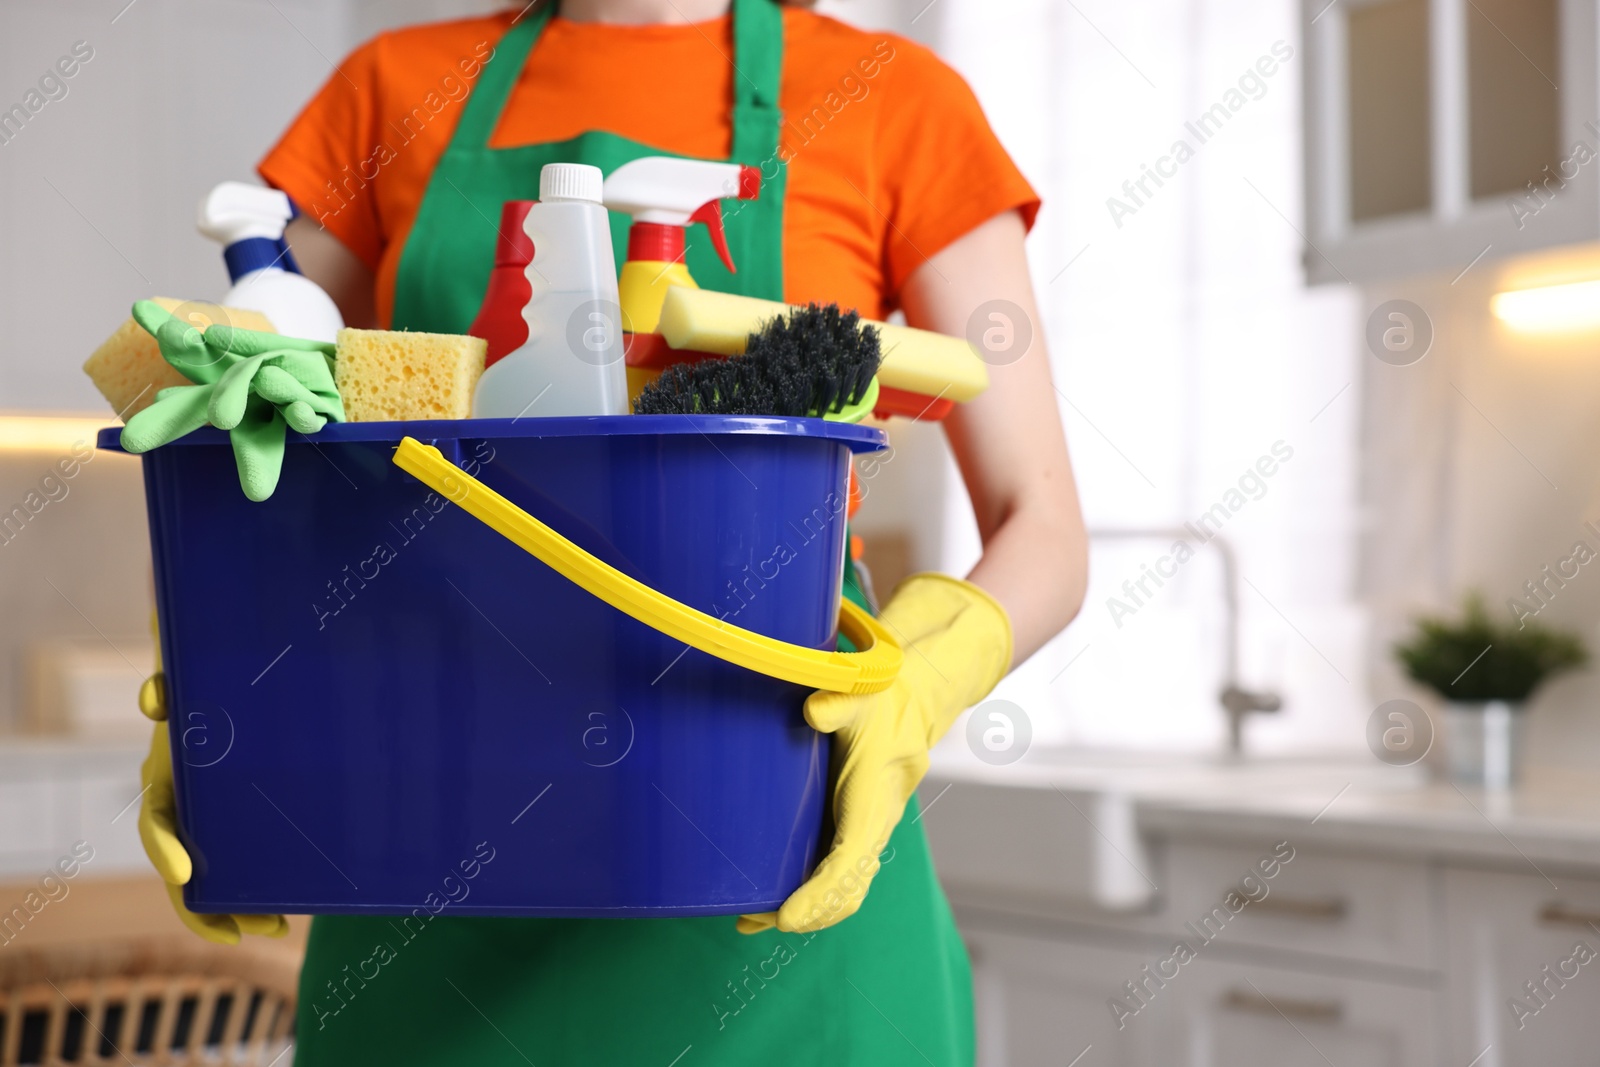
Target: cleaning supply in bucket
x=815 y=360
x=924 y=374
x=254 y=385
x=386 y=375
x=663 y=195
x=128 y=368
x=499 y=320
x=248 y=221
x=571 y=363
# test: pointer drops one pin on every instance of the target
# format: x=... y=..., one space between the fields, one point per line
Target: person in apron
x=839 y=975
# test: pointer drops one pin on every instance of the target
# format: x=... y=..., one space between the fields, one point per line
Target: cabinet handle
x=1329 y=909
x=1317 y=1011
x=1561 y=915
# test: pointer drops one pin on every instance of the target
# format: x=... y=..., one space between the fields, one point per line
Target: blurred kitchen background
x=1205 y=307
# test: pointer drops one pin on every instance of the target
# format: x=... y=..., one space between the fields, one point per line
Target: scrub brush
x=924 y=374
x=814 y=360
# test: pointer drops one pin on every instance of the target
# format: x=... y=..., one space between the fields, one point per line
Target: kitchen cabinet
x=1334 y=963
x=1378 y=959
x=1442 y=132
x=1045 y=998
x=1044 y=1001
x=1413 y=925
x=1245 y=1014
x=1522 y=972
x=1326 y=903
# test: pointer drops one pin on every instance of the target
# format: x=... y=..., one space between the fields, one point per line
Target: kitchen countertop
x=1553 y=818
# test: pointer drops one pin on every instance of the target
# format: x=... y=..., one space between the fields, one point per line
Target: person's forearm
x=1036 y=565
x=325 y=260
x=1009 y=441
x=1013 y=458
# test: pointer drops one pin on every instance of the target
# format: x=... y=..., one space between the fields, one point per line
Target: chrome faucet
x=1237 y=701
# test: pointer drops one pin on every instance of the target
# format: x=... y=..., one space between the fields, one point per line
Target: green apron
x=890 y=985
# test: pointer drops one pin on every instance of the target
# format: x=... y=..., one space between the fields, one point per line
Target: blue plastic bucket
x=378 y=704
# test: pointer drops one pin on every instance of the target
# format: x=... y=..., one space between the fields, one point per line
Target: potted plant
x=1486 y=670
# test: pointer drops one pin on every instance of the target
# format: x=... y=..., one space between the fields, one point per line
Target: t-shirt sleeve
x=319 y=158
x=944 y=172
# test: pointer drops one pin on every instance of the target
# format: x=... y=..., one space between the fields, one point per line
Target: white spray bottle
x=571 y=363
x=248 y=221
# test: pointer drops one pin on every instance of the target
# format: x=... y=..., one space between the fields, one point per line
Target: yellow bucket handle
x=871 y=670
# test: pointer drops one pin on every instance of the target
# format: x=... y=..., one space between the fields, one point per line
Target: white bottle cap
x=570 y=181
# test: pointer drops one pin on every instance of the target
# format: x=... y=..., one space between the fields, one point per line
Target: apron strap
x=757 y=74
x=481 y=114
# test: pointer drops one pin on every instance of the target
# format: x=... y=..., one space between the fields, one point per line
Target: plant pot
x=1483 y=742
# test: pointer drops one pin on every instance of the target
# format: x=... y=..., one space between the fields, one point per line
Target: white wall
x=1480 y=468
x=368 y=17
x=97 y=194
x=97 y=198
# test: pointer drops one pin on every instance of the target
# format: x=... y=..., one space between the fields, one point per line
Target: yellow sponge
x=917 y=361
x=385 y=376
x=128 y=368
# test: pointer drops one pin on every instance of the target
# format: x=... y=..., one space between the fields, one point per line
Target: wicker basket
x=147 y=1002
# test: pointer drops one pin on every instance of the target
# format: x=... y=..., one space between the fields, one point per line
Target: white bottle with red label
x=571 y=363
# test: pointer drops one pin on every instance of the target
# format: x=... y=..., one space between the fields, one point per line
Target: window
x=1191 y=361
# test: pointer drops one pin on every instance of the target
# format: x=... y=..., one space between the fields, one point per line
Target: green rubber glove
x=253 y=384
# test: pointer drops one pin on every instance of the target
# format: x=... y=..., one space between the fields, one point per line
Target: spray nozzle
x=248 y=221
x=665 y=191
x=234 y=211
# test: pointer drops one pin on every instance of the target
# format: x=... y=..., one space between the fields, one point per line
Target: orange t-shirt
x=889 y=155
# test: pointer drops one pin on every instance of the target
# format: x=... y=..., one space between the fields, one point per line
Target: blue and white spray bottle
x=248 y=221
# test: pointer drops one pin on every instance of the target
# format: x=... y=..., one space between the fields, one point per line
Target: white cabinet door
x=1516 y=978
x=1045 y=1003
x=1441 y=132
x=1325 y=902
x=1232 y=1014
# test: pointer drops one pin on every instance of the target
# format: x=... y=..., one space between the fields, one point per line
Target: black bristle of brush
x=815 y=358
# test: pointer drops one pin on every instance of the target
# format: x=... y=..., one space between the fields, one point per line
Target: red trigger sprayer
x=664 y=195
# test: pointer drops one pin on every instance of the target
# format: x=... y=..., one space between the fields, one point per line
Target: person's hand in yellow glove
x=957 y=641
x=158 y=829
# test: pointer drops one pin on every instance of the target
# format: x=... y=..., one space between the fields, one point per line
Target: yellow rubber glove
x=957 y=641
x=158 y=829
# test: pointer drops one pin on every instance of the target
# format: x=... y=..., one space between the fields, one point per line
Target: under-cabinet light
x=50 y=433
x=1550 y=308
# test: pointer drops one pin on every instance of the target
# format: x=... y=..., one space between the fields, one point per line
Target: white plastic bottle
x=571 y=363
x=248 y=221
